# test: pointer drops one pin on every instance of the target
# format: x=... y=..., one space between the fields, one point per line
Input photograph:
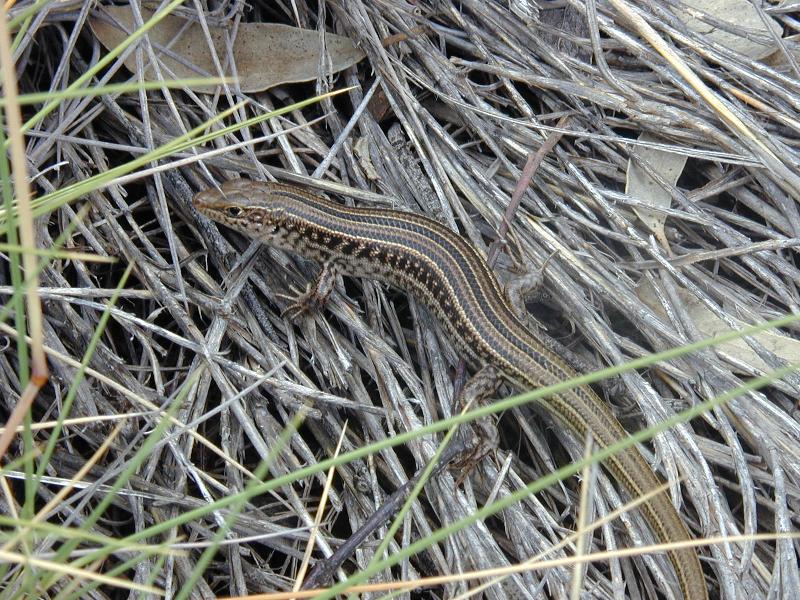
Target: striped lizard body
x=448 y=275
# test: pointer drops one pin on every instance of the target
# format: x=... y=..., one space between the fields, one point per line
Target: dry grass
x=463 y=95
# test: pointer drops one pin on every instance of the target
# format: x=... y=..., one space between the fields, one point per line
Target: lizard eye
x=233 y=211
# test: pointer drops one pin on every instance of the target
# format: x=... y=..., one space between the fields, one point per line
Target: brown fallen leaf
x=265 y=54
x=780 y=61
x=709 y=325
x=742 y=15
x=640 y=185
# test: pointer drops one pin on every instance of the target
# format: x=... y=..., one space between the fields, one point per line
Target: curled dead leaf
x=641 y=185
x=749 y=34
x=265 y=54
x=710 y=325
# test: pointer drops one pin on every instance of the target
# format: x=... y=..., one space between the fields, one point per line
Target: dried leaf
x=640 y=185
x=778 y=60
x=265 y=54
x=741 y=14
x=709 y=325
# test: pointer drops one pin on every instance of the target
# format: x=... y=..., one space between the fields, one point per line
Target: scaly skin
x=445 y=272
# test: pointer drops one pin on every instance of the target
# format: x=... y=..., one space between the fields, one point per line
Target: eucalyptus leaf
x=264 y=54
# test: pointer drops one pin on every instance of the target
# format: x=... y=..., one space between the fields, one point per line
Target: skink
x=448 y=275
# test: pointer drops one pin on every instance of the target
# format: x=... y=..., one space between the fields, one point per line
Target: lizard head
x=255 y=209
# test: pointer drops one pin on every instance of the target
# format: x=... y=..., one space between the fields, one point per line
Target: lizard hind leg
x=480 y=438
